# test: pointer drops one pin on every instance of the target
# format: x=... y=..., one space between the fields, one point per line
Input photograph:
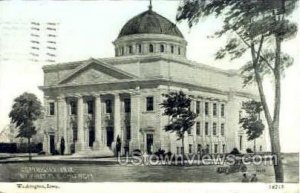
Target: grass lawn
x=12 y=172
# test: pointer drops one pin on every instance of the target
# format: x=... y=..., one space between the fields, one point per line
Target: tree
x=259 y=28
x=251 y=122
x=25 y=110
x=177 y=106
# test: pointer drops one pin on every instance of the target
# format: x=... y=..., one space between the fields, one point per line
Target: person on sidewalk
x=245 y=178
x=253 y=178
x=62 y=146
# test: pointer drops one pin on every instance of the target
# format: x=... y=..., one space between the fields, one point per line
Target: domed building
x=98 y=105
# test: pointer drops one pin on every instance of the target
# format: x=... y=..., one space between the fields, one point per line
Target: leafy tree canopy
x=245 y=23
x=25 y=110
x=251 y=122
x=177 y=107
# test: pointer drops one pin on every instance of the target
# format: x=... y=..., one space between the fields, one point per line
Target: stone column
x=98 y=127
x=117 y=116
x=117 y=120
x=46 y=147
x=62 y=122
x=135 y=122
x=80 y=138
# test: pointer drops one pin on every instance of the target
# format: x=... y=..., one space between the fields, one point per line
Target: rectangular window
x=198 y=128
x=51 y=108
x=214 y=128
x=190 y=148
x=207 y=148
x=130 y=49
x=198 y=107
x=206 y=108
x=189 y=131
x=90 y=106
x=215 y=109
x=222 y=110
x=108 y=106
x=223 y=148
x=199 y=148
x=149 y=104
x=222 y=129
x=127 y=105
x=206 y=128
x=241 y=142
x=216 y=148
x=73 y=106
x=128 y=132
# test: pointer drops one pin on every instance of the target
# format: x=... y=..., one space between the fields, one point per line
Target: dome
x=149 y=22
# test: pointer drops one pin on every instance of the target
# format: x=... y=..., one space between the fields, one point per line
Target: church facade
x=92 y=104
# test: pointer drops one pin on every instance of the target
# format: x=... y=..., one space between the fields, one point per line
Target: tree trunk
x=276 y=149
x=273 y=124
x=29 y=149
x=182 y=140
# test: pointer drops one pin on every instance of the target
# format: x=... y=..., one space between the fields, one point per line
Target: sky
x=87 y=29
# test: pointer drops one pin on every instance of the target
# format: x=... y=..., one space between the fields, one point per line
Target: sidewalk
x=60 y=159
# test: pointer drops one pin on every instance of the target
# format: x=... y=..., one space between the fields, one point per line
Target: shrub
x=235 y=151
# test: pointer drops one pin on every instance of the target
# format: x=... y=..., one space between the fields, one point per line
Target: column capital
x=116 y=94
x=97 y=96
x=135 y=93
x=61 y=97
x=77 y=95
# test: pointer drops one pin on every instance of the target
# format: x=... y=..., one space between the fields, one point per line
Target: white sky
x=87 y=29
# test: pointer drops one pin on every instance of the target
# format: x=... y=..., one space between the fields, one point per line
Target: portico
x=94 y=121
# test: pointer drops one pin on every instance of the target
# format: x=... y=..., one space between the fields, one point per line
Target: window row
x=206 y=129
x=216 y=109
x=108 y=106
x=204 y=149
x=149 y=48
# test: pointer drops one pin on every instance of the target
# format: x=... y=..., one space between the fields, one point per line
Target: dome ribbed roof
x=149 y=22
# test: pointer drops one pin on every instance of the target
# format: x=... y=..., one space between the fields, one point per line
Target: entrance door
x=149 y=141
x=91 y=136
x=52 y=144
x=109 y=136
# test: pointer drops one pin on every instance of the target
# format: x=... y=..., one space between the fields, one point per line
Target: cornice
x=150 y=37
x=142 y=58
x=159 y=81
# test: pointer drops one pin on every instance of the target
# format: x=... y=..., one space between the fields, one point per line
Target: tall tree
x=257 y=28
x=25 y=110
x=251 y=122
x=177 y=106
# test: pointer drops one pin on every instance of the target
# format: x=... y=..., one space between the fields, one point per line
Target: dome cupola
x=149 y=22
x=150 y=33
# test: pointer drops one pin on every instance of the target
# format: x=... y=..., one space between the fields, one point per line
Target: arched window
x=162 y=48
x=140 y=48
x=172 y=49
x=151 y=48
x=130 y=49
x=179 y=51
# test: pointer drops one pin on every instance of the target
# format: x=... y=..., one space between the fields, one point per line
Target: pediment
x=95 y=71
